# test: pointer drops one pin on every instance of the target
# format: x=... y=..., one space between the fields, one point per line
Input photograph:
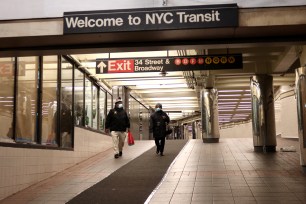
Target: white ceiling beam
x=285 y=60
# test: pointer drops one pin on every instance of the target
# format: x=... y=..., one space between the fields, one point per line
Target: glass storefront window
x=27 y=99
x=7 y=77
x=79 y=97
x=49 y=100
x=53 y=123
x=66 y=120
x=88 y=103
x=102 y=110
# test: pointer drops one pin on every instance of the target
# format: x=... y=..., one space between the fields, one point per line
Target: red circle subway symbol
x=185 y=61
x=177 y=61
x=193 y=61
x=201 y=60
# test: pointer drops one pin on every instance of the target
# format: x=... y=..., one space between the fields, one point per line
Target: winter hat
x=158 y=105
x=118 y=100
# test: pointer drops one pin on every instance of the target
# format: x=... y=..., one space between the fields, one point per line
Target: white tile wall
x=21 y=167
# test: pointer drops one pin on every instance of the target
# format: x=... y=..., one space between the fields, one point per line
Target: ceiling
x=179 y=91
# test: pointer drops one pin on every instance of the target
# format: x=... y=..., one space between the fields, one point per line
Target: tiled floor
x=231 y=172
x=225 y=172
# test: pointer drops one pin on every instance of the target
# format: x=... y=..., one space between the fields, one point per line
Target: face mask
x=158 y=109
x=120 y=105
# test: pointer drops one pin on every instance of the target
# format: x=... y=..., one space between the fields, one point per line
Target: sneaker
x=120 y=153
x=157 y=151
x=116 y=156
x=161 y=154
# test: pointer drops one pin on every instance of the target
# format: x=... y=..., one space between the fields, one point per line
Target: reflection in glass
x=49 y=100
x=6 y=98
x=109 y=102
x=78 y=97
x=94 y=107
x=88 y=103
x=27 y=99
x=102 y=110
x=66 y=120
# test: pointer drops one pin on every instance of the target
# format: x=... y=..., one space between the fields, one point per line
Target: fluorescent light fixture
x=156 y=86
x=243 y=106
x=229 y=91
x=228 y=99
x=244 y=109
x=77 y=88
x=164 y=90
x=179 y=105
x=228 y=103
x=124 y=55
x=224 y=121
x=229 y=95
x=230 y=108
x=240 y=118
x=170 y=98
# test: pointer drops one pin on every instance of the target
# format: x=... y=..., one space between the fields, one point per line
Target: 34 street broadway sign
x=164 y=18
x=184 y=63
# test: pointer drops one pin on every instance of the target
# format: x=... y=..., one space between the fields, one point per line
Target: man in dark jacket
x=158 y=126
x=118 y=124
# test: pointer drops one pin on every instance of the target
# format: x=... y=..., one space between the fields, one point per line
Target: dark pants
x=160 y=143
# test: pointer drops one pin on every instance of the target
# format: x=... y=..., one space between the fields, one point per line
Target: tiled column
x=300 y=85
x=263 y=114
x=209 y=115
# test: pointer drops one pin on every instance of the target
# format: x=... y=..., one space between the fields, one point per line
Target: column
x=263 y=114
x=300 y=85
x=209 y=115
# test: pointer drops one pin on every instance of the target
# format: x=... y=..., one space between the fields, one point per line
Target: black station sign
x=163 y=18
x=182 y=63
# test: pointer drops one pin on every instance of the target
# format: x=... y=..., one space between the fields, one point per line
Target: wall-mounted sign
x=163 y=18
x=183 y=63
x=7 y=69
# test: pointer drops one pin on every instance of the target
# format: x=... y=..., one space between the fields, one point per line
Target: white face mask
x=120 y=105
x=157 y=109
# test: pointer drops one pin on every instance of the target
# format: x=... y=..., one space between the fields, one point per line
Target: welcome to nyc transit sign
x=163 y=18
x=166 y=64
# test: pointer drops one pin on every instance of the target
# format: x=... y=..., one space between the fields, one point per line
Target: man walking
x=118 y=124
x=158 y=126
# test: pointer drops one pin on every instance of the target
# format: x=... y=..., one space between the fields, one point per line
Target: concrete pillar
x=300 y=85
x=209 y=115
x=263 y=114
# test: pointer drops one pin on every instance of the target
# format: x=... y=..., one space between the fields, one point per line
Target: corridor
x=225 y=172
